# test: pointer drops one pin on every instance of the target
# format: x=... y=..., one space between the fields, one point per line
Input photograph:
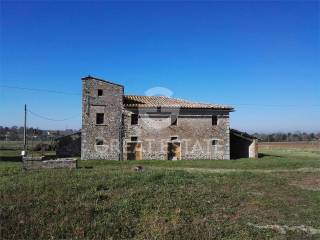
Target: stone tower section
x=102 y=108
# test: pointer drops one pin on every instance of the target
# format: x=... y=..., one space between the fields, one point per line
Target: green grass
x=277 y=159
x=111 y=201
x=18 y=145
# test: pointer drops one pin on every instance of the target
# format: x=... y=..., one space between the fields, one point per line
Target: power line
x=40 y=90
x=232 y=104
x=51 y=119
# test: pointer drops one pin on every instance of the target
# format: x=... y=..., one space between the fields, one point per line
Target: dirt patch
x=309 y=182
x=284 y=228
x=223 y=170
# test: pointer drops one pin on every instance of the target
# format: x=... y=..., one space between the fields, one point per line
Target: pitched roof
x=102 y=80
x=69 y=135
x=161 y=101
x=242 y=134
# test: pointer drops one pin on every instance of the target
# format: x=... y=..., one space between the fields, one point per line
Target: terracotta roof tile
x=161 y=101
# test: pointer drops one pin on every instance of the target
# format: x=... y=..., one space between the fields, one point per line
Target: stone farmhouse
x=116 y=126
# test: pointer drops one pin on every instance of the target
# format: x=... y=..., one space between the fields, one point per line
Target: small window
x=174 y=138
x=99 y=118
x=134 y=119
x=214 y=120
x=214 y=142
x=100 y=92
x=134 y=138
x=174 y=120
x=99 y=141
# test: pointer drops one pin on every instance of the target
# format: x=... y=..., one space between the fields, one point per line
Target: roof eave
x=243 y=134
x=203 y=108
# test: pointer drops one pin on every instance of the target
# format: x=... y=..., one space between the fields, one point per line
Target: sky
x=261 y=57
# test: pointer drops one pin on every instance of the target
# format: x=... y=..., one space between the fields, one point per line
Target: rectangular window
x=99 y=118
x=214 y=120
x=214 y=142
x=174 y=120
x=99 y=141
x=134 y=119
x=134 y=138
x=174 y=138
x=100 y=92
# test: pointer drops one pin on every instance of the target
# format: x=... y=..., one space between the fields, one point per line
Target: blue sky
x=262 y=57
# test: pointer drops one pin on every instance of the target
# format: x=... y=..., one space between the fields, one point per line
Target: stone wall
x=37 y=163
x=253 y=149
x=111 y=104
x=194 y=130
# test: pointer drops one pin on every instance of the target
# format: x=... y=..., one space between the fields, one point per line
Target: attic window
x=100 y=92
x=99 y=118
x=174 y=120
x=99 y=141
x=134 y=138
x=214 y=120
x=134 y=119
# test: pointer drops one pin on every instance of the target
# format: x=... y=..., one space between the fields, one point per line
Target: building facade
x=124 y=127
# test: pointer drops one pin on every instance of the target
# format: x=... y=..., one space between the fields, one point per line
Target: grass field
x=18 y=145
x=274 y=197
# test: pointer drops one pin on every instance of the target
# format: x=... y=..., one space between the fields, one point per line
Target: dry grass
x=166 y=201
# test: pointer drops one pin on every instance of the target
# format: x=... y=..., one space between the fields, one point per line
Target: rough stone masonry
x=124 y=127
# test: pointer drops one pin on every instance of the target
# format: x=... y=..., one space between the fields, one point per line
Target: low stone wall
x=34 y=163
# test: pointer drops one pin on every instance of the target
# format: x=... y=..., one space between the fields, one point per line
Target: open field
x=274 y=197
x=291 y=145
x=18 y=145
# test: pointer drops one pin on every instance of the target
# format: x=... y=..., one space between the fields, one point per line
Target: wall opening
x=174 y=120
x=174 y=151
x=134 y=119
x=99 y=141
x=214 y=144
x=214 y=120
x=100 y=92
x=134 y=138
x=134 y=151
x=100 y=118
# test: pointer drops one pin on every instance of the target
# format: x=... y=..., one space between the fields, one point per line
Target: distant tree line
x=288 y=137
x=15 y=133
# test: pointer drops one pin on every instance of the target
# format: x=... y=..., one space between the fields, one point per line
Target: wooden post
x=25 y=129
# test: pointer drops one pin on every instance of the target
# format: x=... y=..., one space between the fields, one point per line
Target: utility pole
x=25 y=129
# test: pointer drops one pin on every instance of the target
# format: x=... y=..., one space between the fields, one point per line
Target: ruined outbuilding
x=69 y=145
x=243 y=145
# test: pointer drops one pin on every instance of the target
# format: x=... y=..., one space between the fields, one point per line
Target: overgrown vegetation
x=107 y=199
